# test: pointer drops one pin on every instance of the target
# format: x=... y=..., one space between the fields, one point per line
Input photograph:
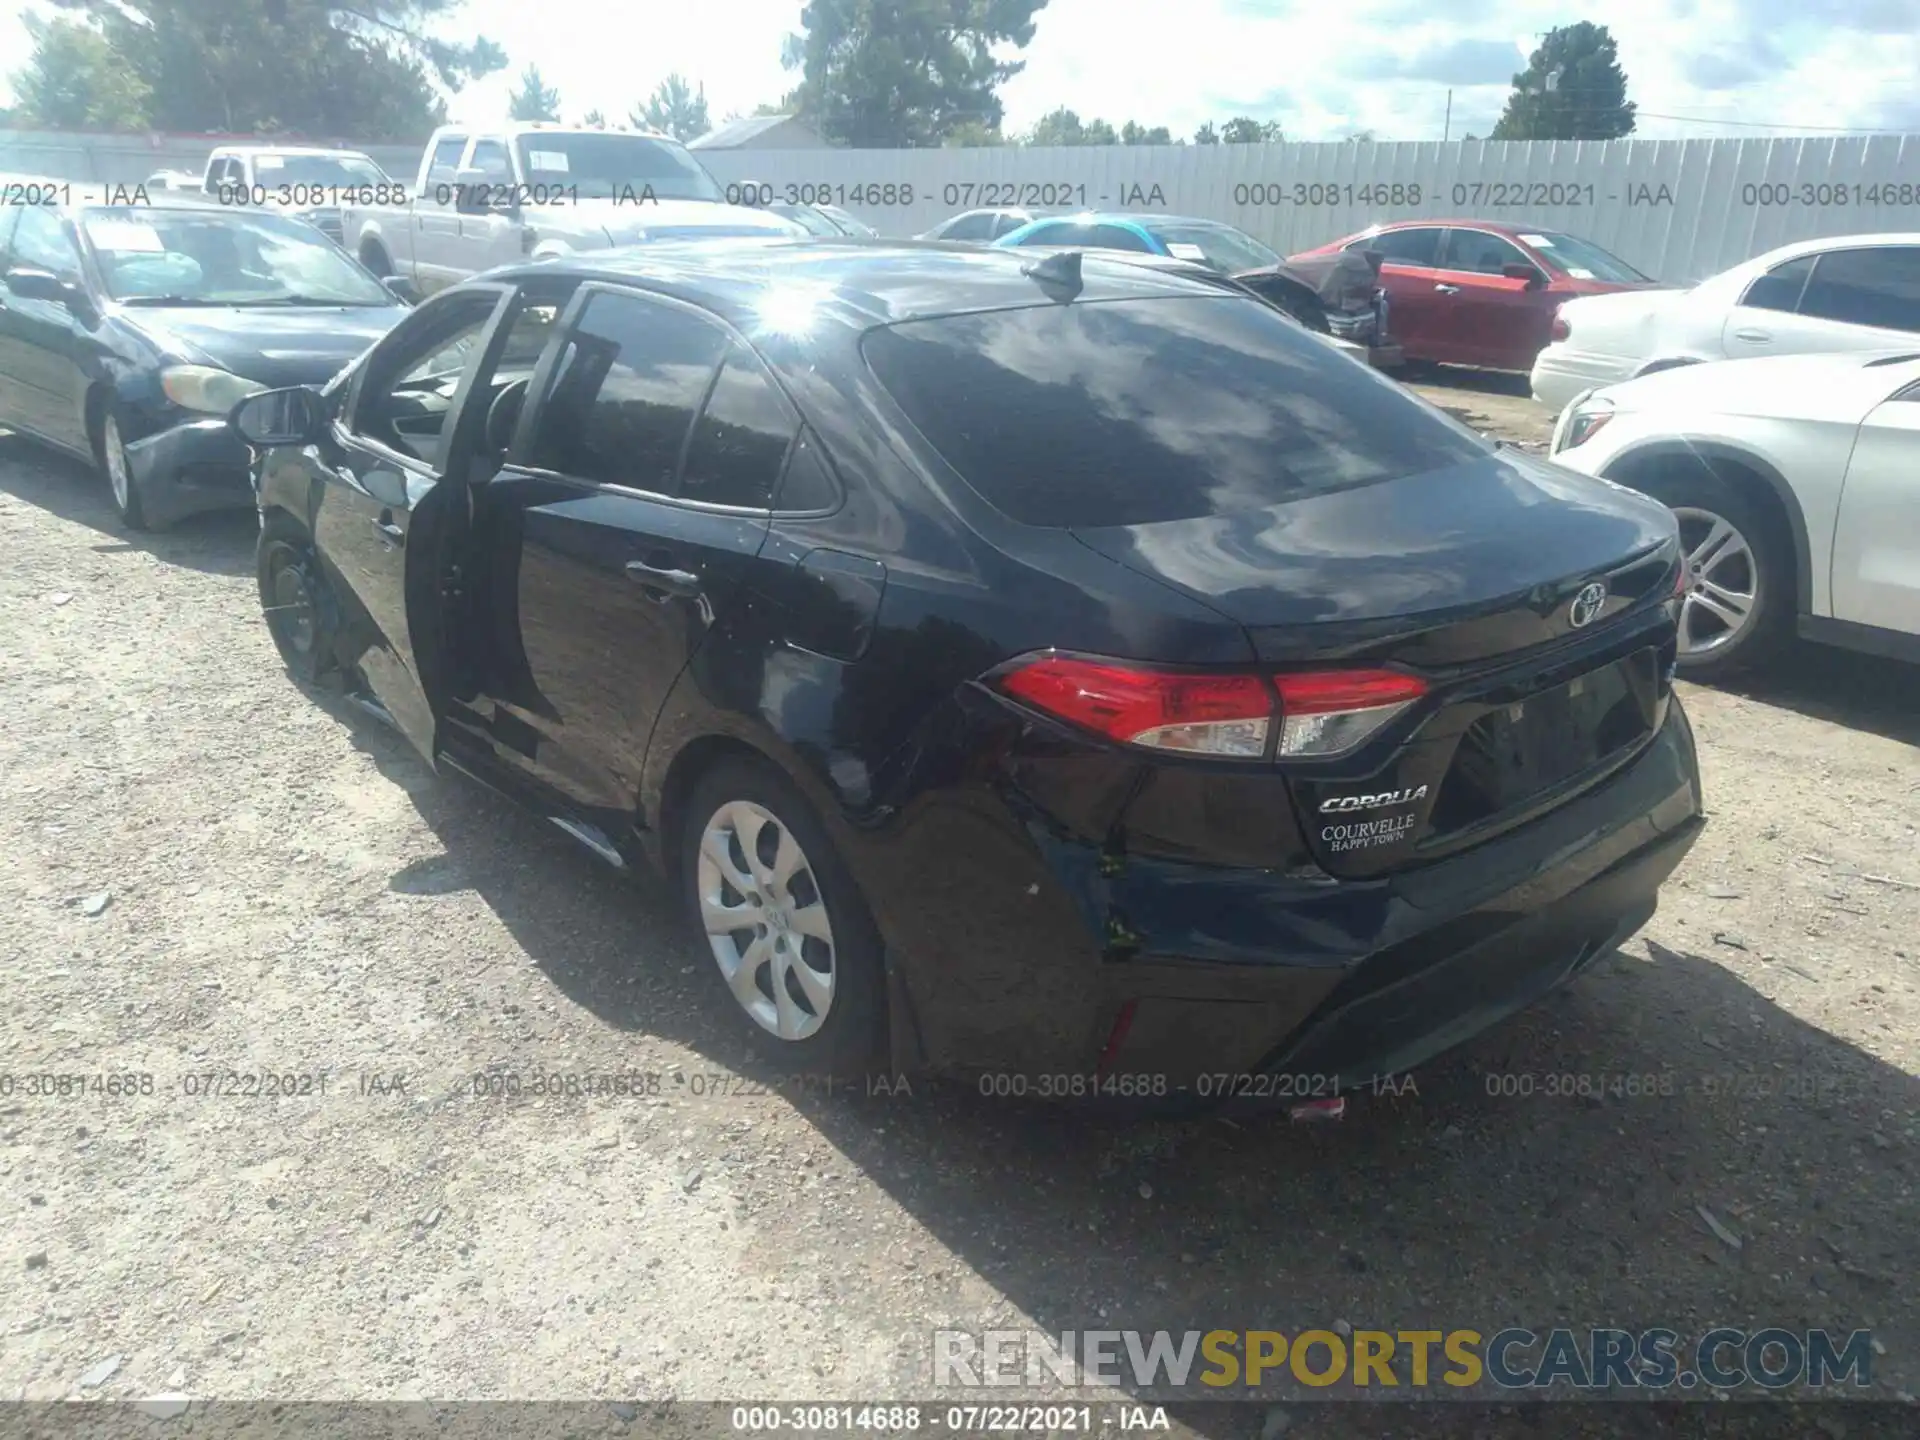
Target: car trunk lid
x=1529 y=599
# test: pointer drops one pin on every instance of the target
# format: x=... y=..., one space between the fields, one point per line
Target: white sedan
x=1853 y=292
x=1796 y=482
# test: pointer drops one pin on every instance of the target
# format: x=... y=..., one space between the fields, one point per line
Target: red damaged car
x=1477 y=292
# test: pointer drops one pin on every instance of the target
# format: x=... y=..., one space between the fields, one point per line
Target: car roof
x=1828 y=242
x=1498 y=227
x=549 y=127
x=1133 y=220
x=287 y=150
x=862 y=283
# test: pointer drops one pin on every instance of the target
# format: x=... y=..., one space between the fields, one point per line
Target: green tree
x=366 y=68
x=675 y=109
x=896 y=73
x=1245 y=130
x=1206 y=135
x=974 y=135
x=1064 y=127
x=535 y=99
x=73 y=81
x=1572 y=89
x=1132 y=134
x=594 y=120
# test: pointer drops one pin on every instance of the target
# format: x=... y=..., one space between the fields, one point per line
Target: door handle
x=661 y=581
x=389 y=531
x=1445 y=289
x=1757 y=337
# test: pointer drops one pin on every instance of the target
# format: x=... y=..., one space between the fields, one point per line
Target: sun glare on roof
x=791 y=307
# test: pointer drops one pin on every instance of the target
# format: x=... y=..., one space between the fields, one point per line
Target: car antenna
x=1059 y=271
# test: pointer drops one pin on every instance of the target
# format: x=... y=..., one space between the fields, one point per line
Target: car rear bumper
x=1560 y=373
x=1253 y=984
x=197 y=466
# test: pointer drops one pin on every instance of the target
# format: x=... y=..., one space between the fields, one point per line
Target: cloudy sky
x=1696 y=67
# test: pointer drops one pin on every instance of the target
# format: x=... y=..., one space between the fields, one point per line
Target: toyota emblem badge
x=1586 y=605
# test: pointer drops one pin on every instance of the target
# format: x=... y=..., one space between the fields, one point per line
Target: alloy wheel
x=293 y=614
x=116 y=457
x=1722 y=596
x=766 y=920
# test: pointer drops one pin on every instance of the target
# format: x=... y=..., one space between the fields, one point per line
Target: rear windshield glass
x=1221 y=247
x=1136 y=411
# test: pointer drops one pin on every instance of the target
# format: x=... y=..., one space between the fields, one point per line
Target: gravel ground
x=203 y=872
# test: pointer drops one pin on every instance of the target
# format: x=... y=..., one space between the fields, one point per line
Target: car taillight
x=1560 y=330
x=1329 y=712
x=1196 y=714
x=1316 y=714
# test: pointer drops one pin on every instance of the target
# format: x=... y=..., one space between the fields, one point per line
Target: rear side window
x=1115 y=237
x=1418 y=246
x=1866 y=287
x=1780 y=287
x=626 y=389
x=1006 y=224
x=969 y=227
x=446 y=158
x=1136 y=411
x=742 y=437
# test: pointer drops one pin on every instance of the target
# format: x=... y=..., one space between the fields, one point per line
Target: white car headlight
x=1583 y=421
x=203 y=388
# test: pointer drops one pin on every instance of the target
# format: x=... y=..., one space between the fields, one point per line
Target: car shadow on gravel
x=1559 y=1170
x=218 y=543
x=1844 y=687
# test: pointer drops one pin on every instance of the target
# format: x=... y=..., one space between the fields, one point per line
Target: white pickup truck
x=495 y=195
x=301 y=180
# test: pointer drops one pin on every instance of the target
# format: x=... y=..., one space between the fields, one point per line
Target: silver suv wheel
x=1723 y=582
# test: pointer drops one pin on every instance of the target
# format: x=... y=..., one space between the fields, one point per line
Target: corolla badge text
x=1371 y=802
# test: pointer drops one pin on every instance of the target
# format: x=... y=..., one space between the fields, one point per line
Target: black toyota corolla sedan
x=1048 y=667
x=127 y=332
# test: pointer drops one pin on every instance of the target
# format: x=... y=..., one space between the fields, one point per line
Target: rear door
x=1876 y=542
x=388 y=519
x=1496 y=321
x=635 y=501
x=1415 y=309
x=1859 y=299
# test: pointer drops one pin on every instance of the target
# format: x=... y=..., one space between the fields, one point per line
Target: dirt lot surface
x=1495 y=404
x=202 y=871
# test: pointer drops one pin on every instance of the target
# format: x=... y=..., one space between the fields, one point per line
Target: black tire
x=294 y=600
x=110 y=458
x=374 y=257
x=847 y=1043
x=1696 y=492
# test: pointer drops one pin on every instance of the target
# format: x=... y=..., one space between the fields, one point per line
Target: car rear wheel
x=795 y=952
x=1739 y=593
x=294 y=599
x=112 y=455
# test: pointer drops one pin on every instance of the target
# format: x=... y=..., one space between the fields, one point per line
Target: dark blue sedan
x=1183 y=237
x=127 y=332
